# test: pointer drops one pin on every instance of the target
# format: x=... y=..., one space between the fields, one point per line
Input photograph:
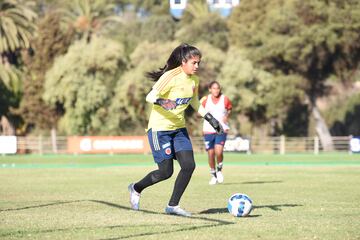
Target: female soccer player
x=220 y=107
x=175 y=89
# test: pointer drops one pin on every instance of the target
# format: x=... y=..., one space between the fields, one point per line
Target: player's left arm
x=228 y=107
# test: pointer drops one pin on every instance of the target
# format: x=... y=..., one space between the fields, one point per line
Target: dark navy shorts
x=164 y=144
x=214 y=138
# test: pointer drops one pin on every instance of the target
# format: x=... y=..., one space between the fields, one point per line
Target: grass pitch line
x=107 y=165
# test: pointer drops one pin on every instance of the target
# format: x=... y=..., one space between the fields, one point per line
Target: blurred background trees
x=17 y=27
x=77 y=67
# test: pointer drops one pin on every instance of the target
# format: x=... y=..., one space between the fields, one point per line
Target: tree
x=307 y=39
x=153 y=7
x=7 y=120
x=260 y=95
x=49 y=43
x=16 y=25
x=10 y=76
x=83 y=82
x=16 y=28
x=158 y=28
x=198 y=24
x=89 y=17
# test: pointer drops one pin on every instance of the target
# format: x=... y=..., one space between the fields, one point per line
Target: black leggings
x=165 y=171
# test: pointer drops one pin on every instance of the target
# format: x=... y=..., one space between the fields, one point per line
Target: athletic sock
x=213 y=172
x=219 y=167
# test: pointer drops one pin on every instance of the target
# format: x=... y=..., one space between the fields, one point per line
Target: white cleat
x=213 y=180
x=220 y=177
x=134 y=197
x=176 y=210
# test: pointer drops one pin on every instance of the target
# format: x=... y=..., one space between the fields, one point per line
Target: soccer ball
x=239 y=205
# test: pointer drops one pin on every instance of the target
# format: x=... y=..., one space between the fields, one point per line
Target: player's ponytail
x=180 y=53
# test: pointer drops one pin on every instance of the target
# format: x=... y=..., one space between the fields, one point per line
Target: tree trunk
x=322 y=129
x=54 y=140
x=7 y=128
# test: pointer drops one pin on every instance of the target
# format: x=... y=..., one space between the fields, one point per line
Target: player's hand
x=166 y=104
x=214 y=123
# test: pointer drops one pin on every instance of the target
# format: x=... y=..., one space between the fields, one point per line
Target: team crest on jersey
x=168 y=151
x=182 y=101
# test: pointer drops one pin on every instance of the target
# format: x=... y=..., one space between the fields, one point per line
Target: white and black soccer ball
x=239 y=205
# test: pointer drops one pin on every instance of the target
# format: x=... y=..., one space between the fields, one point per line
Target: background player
x=220 y=107
x=175 y=89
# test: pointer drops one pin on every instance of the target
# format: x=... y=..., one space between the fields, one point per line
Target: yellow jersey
x=175 y=85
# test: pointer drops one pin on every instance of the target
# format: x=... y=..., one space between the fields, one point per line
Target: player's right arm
x=161 y=87
x=153 y=97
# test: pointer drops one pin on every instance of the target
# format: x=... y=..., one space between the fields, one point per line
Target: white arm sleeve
x=202 y=110
x=152 y=96
x=197 y=106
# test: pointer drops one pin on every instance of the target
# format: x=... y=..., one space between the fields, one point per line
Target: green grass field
x=86 y=197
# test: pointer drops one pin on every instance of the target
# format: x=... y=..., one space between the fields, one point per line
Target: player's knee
x=166 y=174
x=189 y=166
x=186 y=160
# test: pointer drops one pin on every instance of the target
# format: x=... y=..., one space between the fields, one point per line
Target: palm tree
x=88 y=16
x=10 y=76
x=16 y=24
x=16 y=29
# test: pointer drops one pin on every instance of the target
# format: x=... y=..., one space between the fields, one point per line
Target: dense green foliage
x=49 y=43
x=16 y=29
x=82 y=81
x=280 y=62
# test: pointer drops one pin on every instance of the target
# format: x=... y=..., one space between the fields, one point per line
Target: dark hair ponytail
x=181 y=53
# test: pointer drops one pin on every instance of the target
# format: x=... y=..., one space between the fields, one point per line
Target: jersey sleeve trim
x=203 y=101
x=227 y=103
x=167 y=78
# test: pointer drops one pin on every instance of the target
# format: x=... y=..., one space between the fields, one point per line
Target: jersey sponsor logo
x=168 y=151
x=165 y=145
x=182 y=101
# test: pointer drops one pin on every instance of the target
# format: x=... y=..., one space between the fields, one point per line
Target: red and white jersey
x=218 y=107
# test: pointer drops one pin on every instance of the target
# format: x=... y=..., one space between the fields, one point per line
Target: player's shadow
x=40 y=206
x=277 y=207
x=251 y=182
x=221 y=210
x=214 y=210
x=218 y=221
x=261 y=182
